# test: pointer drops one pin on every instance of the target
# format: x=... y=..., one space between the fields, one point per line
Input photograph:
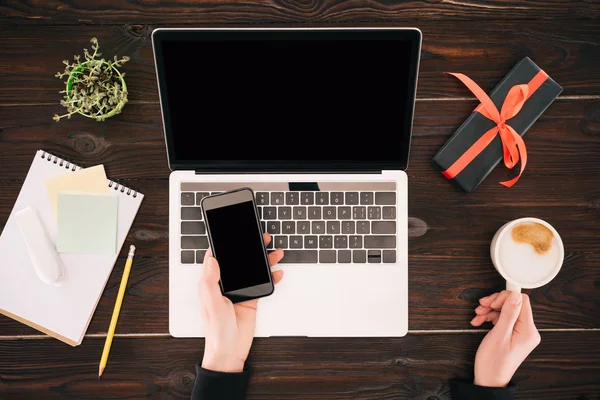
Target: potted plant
x=95 y=88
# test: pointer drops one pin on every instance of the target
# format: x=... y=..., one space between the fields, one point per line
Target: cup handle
x=512 y=287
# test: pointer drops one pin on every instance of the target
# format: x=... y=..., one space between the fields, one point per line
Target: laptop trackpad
x=336 y=300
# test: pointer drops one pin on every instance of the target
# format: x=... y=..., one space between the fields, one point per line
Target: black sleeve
x=212 y=385
x=465 y=390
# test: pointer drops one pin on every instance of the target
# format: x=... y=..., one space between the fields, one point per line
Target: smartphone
x=236 y=240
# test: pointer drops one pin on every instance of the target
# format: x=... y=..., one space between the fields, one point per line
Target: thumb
x=509 y=313
x=209 y=285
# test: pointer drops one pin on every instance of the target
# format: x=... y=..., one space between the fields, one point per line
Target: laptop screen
x=288 y=100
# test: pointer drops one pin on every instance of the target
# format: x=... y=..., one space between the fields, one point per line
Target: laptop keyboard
x=310 y=226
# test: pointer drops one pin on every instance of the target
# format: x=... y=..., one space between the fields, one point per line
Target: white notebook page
x=63 y=312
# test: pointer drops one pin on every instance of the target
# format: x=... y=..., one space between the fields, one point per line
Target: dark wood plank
x=565 y=141
x=450 y=230
x=444 y=289
x=414 y=367
x=32 y=55
x=261 y=11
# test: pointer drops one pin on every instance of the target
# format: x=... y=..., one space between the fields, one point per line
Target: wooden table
x=449 y=230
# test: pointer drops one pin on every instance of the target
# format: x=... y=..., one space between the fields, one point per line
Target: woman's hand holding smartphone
x=229 y=328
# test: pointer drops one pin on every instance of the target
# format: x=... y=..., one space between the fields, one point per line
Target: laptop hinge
x=246 y=172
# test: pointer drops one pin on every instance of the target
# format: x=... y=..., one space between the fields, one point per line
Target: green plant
x=95 y=87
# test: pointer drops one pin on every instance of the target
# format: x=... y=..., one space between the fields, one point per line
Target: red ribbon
x=512 y=143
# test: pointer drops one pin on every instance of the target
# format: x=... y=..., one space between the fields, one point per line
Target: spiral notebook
x=62 y=312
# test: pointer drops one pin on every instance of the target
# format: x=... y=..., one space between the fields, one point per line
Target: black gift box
x=476 y=125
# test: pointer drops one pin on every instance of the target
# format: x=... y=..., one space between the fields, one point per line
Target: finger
x=499 y=301
x=489 y=317
x=509 y=314
x=526 y=326
x=486 y=301
x=277 y=276
x=526 y=315
x=482 y=310
x=209 y=284
x=206 y=256
x=275 y=257
x=267 y=238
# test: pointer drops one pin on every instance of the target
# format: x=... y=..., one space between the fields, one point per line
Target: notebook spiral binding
x=63 y=163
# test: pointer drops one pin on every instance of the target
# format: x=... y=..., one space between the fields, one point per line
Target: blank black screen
x=341 y=99
x=237 y=243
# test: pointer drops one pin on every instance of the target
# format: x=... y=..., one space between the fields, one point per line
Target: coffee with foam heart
x=529 y=253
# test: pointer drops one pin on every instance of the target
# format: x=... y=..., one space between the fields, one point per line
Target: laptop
x=318 y=123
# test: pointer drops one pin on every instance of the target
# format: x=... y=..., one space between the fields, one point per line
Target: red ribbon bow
x=512 y=143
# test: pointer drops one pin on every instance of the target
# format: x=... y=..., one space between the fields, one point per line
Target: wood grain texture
x=413 y=367
x=278 y=11
x=485 y=51
x=450 y=230
x=445 y=283
x=565 y=141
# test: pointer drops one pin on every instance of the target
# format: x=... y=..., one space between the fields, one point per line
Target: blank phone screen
x=238 y=245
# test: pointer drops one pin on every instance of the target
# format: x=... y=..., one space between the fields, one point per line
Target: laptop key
x=295 y=242
x=329 y=213
x=314 y=212
x=344 y=256
x=363 y=227
x=188 y=199
x=311 y=242
x=356 y=242
x=366 y=198
x=327 y=256
x=200 y=256
x=348 y=227
x=284 y=213
x=374 y=212
x=389 y=213
x=318 y=227
x=351 y=198
x=191 y=213
x=281 y=242
x=359 y=212
x=307 y=198
x=303 y=227
x=299 y=212
x=389 y=256
x=270 y=245
x=383 y=227
x=187 y=257
x=262 y=198
x=374 y=256
x=359 y=256
x=263 y=226
x=292 y=198
x=322 y=198
x=269 y=213
x=340 y=242
x=385 y=198
x=337 y=198
x=277 y=198
x=193 y=228
x=274 y=227
x=344 y=213
x=200 y=196
x=259 y=212
x=300 y=257
x=333 y=227
x=326 y=242
x=380 y=242
x=194 y=242
x=288 y=227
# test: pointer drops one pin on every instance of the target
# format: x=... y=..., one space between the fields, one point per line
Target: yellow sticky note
x=88 y=181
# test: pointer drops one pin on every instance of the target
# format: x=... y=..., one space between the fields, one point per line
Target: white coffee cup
x=524 y=266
